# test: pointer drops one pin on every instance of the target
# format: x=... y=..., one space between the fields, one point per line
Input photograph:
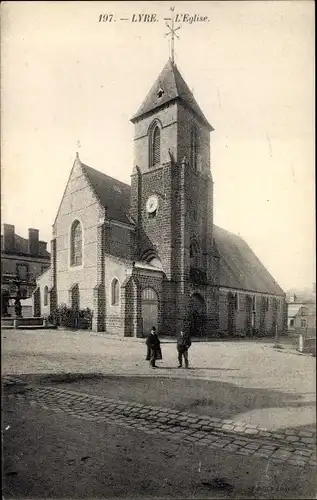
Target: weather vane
x=78 y=146
x=171 y=32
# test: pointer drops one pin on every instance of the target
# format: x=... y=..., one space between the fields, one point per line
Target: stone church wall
x=78 y=203
x=265 y=318
x=169 y=308
x=185 y=124
x=223 y=311
x=241 y=313
x=114 y=269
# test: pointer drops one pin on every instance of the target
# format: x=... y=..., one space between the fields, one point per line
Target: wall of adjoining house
x=45 y=279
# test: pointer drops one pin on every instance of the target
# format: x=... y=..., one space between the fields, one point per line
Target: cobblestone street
x=292 y=446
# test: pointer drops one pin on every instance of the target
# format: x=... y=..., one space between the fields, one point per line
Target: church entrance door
x=197 y=315
x=149 y=309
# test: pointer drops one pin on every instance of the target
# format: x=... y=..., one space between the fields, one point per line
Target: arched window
x=149 y=295
x=194 y=148
x=76 y=244
x=45 y=299
x=155 y=152
x=115 y=290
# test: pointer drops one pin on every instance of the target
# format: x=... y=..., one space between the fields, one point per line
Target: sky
x=68 y=78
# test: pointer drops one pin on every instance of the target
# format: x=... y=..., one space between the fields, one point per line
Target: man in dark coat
x=183 y=344
x=153 y=348
x=18 y=308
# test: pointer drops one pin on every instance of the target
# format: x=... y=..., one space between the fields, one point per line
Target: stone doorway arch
x=197 y=310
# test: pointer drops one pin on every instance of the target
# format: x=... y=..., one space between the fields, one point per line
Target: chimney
x=43 y=246
x=8 y=238
x=33 y=241
x=293 y=298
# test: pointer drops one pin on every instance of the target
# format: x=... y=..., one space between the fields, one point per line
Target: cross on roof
x=172 y=33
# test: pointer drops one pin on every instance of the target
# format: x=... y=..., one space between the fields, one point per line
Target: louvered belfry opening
x=194 y=147
x=156 y=147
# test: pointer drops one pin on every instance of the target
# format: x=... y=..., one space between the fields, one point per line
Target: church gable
x=77 y=196
x=75 y=230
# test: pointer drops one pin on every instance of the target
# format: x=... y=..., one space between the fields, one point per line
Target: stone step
x=34 y=327
x=24 y=323
x=7 y=322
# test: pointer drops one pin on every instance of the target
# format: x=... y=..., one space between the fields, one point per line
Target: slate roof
x=113 y=194
x=174 y=86
x=239 y=266
x=293 y=309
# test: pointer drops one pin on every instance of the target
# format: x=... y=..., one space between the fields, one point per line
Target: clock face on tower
x=152 y=204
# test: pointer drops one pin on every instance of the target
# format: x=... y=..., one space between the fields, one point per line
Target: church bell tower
x=172 y=195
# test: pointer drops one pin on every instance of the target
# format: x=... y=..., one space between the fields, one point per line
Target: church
x=149 y=254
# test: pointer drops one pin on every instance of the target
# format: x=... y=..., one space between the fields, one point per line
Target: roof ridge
x=174 y=67
x=230 y=232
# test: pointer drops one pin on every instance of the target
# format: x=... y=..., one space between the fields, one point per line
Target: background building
x=301 y=316
x=22 y=261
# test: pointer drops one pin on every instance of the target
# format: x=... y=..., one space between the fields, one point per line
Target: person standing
x=153 y=348
x=18 y=308
x=183 y=344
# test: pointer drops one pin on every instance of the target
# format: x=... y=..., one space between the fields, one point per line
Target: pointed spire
x=170 y=86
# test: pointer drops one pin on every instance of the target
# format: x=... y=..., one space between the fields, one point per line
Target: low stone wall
x=28 y=321
x=26 y=311
x=23 y=322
